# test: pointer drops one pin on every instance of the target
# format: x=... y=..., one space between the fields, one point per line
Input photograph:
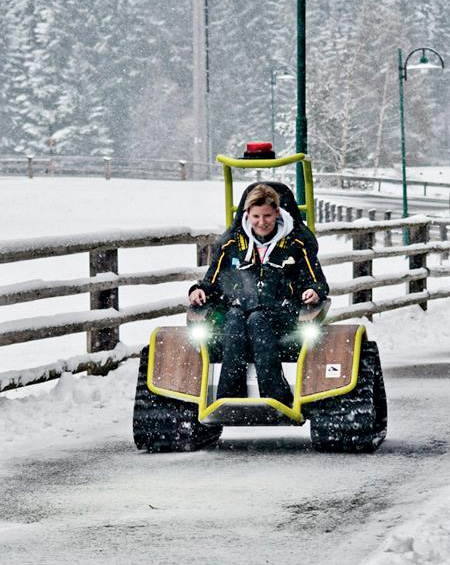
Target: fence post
x=333 y=212
x=418 y=234
x=321 y=211
x=30 y=166
x=183 y=172
x=372 y=217
x=444 y=237
x=107 y=161
x=364 y=268
x=204 y=254
x=50 y=167
x=103 y=261
x=348 y=218
x=388 y=233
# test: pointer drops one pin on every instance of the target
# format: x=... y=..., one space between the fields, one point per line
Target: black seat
x=287 y=201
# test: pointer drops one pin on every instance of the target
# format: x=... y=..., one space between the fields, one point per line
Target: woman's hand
x=310 y=296
x=197 y=297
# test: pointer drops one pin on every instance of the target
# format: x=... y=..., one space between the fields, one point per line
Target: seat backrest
x=287 y=201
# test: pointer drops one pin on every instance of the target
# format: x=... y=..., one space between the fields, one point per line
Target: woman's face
x=263 y=219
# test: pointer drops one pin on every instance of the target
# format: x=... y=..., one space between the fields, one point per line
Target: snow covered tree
x=160 y=99
x=248 y=41
x=5 y=117
x=19 y=42
x=82 y=111
x=115 y=77
x=426 y=94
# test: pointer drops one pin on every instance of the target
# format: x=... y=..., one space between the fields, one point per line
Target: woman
x=263 y=271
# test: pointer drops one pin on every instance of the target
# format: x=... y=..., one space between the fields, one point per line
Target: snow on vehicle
x=333 y=370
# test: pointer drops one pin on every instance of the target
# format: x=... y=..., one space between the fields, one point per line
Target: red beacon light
x=259 y=150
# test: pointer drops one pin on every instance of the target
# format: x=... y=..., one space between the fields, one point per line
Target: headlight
x=310 y=333
x=199 y=332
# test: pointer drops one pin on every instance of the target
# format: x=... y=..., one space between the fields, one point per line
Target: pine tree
x=82 y=111
x=161 y=93
x=115 y=77
x=5 y=117
x=20 y=42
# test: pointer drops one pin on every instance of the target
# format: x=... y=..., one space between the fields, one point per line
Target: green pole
x=272 y=106
x=401 y=78
x=301 y=125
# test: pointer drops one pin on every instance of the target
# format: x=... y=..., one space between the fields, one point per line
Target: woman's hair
x=260 y=195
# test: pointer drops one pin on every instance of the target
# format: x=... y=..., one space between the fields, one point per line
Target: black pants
x=255 y=335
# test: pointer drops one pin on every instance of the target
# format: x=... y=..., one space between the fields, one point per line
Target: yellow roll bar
x=228 y=163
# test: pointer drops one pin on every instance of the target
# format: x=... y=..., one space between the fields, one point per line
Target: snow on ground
x=81 y=409
x=425 y=539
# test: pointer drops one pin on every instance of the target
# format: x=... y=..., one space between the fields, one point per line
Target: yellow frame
x=228 y=163
x=294 y=412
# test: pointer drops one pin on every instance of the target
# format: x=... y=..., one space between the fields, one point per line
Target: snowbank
x=424 y=540
x=73 y=409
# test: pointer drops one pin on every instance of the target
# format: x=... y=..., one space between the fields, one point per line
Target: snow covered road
x=90 y=497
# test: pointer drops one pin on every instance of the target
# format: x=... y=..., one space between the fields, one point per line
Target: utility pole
x=200 y=88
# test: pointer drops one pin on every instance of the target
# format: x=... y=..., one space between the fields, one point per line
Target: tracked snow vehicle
x=335 y=376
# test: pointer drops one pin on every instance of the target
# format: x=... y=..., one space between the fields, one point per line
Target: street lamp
x=423 y=64
x=274 y=76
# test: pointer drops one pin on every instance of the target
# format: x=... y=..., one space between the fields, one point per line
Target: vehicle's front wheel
x=357 y=421
x=166 y=424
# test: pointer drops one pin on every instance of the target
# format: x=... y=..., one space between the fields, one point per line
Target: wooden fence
x=366 y=249
x=107 y=167
x=103 y=320
x=326 y=212
x=169 y=169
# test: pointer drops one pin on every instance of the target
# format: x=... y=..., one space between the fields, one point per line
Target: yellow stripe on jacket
x=219 y=263
x=305 y=253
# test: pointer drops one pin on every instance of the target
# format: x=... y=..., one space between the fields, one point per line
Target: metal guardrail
x=347 y=178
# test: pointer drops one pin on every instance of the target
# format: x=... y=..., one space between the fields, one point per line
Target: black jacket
x=293 y=268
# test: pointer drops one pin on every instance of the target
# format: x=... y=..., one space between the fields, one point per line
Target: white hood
x=285 y=224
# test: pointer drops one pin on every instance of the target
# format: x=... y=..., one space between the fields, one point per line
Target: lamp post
x=274 y=76
x=301 y=142
x=423 y=64
x=273 y=81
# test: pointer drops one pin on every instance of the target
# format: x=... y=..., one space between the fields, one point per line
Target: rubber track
x=355 y=422
x=165 y=424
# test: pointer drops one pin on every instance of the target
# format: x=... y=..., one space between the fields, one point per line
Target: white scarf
x=285 y=224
